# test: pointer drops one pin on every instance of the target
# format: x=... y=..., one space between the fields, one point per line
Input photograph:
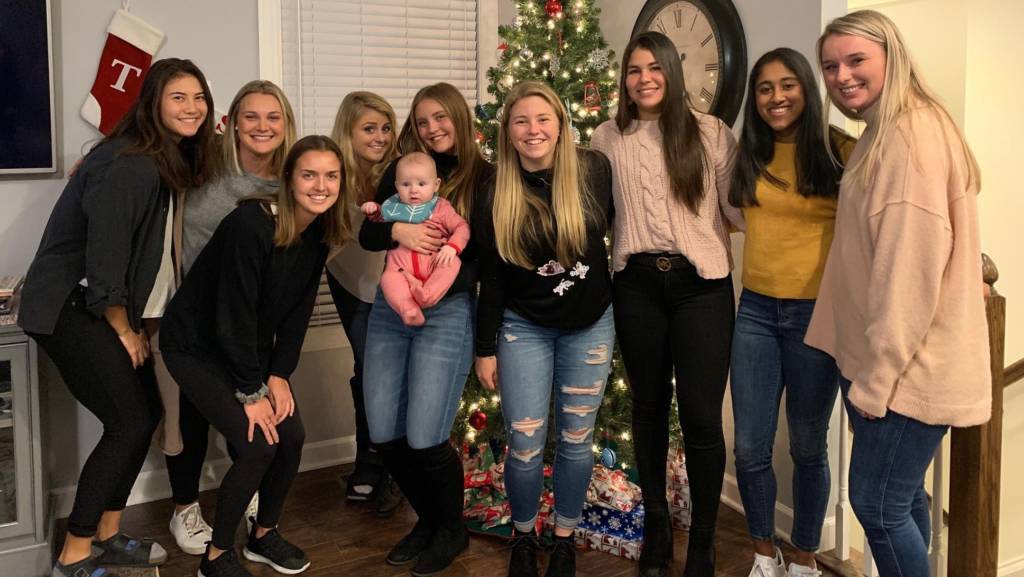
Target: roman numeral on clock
x=706 y=40
x=706 y=95
x=660 y=26
x=678 y=13
x=711 y=67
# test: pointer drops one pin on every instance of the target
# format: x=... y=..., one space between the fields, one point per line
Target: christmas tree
x=562 y=45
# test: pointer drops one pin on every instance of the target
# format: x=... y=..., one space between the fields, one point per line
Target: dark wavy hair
x=685 y=157
x=184 y=165
x=816 y=174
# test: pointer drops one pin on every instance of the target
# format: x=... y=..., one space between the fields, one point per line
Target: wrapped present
x=612 y=488
x=677 y=488
x=613 y=522
x=619 y=546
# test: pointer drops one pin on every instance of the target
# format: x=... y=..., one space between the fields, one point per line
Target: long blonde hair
x=522 y=220
x=459 y=187
x=229 y=144
x=903 y=90
x=360 y=185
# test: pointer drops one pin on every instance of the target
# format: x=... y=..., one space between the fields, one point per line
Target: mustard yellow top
x=788 y=235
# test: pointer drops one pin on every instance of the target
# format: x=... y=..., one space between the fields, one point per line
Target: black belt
x=662 y=261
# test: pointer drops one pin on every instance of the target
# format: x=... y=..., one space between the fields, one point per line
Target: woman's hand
x=137 y=345
x=261 y=414
x=280 y=398
x=487 y=372
x=424 y=238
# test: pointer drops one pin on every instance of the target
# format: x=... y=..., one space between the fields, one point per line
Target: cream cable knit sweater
x=648 y=217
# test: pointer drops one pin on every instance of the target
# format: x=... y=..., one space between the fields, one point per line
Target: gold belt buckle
x=663 y=263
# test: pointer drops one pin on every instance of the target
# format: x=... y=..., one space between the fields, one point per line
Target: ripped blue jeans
x=533 y=361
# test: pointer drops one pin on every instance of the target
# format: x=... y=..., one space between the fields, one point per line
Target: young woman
x=413 y=376
x=260 y=130
x=111 y=227
x=546 y=292
x=900 y=306
x=232 y=337
x=364 y=130
x=671 y=169
x=787 y=185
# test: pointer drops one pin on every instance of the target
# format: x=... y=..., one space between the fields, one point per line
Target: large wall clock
x=711 y=44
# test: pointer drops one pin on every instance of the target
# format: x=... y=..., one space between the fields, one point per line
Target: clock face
x=693 y=32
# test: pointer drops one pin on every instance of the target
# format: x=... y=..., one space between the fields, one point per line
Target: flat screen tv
x=27 y=135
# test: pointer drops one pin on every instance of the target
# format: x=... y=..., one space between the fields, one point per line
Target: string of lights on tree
x=562 y=45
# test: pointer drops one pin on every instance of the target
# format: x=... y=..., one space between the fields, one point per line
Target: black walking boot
x=700 y=554
x=522 y=561
x=399 y=459
x=656 y=555
x=562 y=561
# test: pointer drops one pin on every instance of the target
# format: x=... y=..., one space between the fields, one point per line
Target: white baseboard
x=154 y=485
x=1012 y=568
x=783 y=515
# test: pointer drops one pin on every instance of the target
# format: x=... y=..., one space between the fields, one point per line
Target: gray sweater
x=207 y=206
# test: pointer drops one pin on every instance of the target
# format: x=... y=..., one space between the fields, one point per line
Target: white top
x=356 y=269
x=163 y=288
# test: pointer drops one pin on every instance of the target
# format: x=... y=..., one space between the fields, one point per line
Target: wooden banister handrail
x=975 y=459
x=1013 y=373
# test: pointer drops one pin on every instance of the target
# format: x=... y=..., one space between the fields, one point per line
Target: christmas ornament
x=526 y=53
x=576 y=136
x=598 y=58
x=501 y=50
x=591 y=97
x=607 y=457
x=478 y=420
x=553 y=8
x=479 y=137
x=556 y=65
x=127 y=55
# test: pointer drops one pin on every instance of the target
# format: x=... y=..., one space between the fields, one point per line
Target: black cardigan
x=108 y=228
x=246 y=302
x=376 y=236
x=569 y=297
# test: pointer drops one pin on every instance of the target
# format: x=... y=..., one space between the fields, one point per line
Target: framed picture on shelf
x=28 y=139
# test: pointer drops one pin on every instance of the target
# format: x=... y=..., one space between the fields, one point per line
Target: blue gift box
x=606 y=521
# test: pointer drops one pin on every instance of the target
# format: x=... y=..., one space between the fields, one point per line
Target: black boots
x=522 y=562
x=440 y=471
x=398 y=459
x=700 y=554
x=562 y=561
x=657 y=552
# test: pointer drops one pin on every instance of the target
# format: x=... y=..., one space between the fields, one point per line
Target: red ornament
x=553 y=8
x=503 y=46
x=479 y=136
x=478 y=420
x=591 y=96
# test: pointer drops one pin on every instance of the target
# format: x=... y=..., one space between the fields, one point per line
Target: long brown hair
x=682 y=146
x=285 y=232
x=186 y=165
x=458 y=187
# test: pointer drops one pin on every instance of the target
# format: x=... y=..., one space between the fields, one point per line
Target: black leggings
x=98 y=372
x=677 y=320
x=185 y=468
x=257 y=465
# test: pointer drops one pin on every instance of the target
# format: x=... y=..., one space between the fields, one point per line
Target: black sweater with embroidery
x=569 y=296
x=245 y=302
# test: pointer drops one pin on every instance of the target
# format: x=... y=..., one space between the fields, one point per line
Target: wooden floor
x=345 y=539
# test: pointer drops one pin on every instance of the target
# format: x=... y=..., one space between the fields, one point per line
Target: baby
x=413 y=281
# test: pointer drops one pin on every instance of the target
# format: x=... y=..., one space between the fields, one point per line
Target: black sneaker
x=523 y=560
x=410 y=547
x=444 y=547
x=562 y=562
x=85 y=568
x=227 y=565
x=272 y=549
x=389 y=497
x=124 y=550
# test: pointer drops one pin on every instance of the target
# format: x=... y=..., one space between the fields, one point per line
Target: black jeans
x=354 y=314
x=669 y=321
x=185 y=468
x=98 y=372
x=257 y=465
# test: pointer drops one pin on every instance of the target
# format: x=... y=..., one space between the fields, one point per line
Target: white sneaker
x=190 y=530
x=802 y=571
x=250 y=513
x=765 y=566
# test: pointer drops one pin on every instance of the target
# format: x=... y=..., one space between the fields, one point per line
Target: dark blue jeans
x=769 y=355
x=414 y=376
x=887 y=467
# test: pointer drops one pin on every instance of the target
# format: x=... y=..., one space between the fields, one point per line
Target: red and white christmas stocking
x=127 y=56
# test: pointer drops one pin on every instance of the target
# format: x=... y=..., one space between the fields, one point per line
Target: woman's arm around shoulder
x=721 y=152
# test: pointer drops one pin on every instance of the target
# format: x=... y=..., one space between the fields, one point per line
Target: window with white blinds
x=391 y=47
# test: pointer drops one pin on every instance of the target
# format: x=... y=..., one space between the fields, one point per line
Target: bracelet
x=254 y=397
